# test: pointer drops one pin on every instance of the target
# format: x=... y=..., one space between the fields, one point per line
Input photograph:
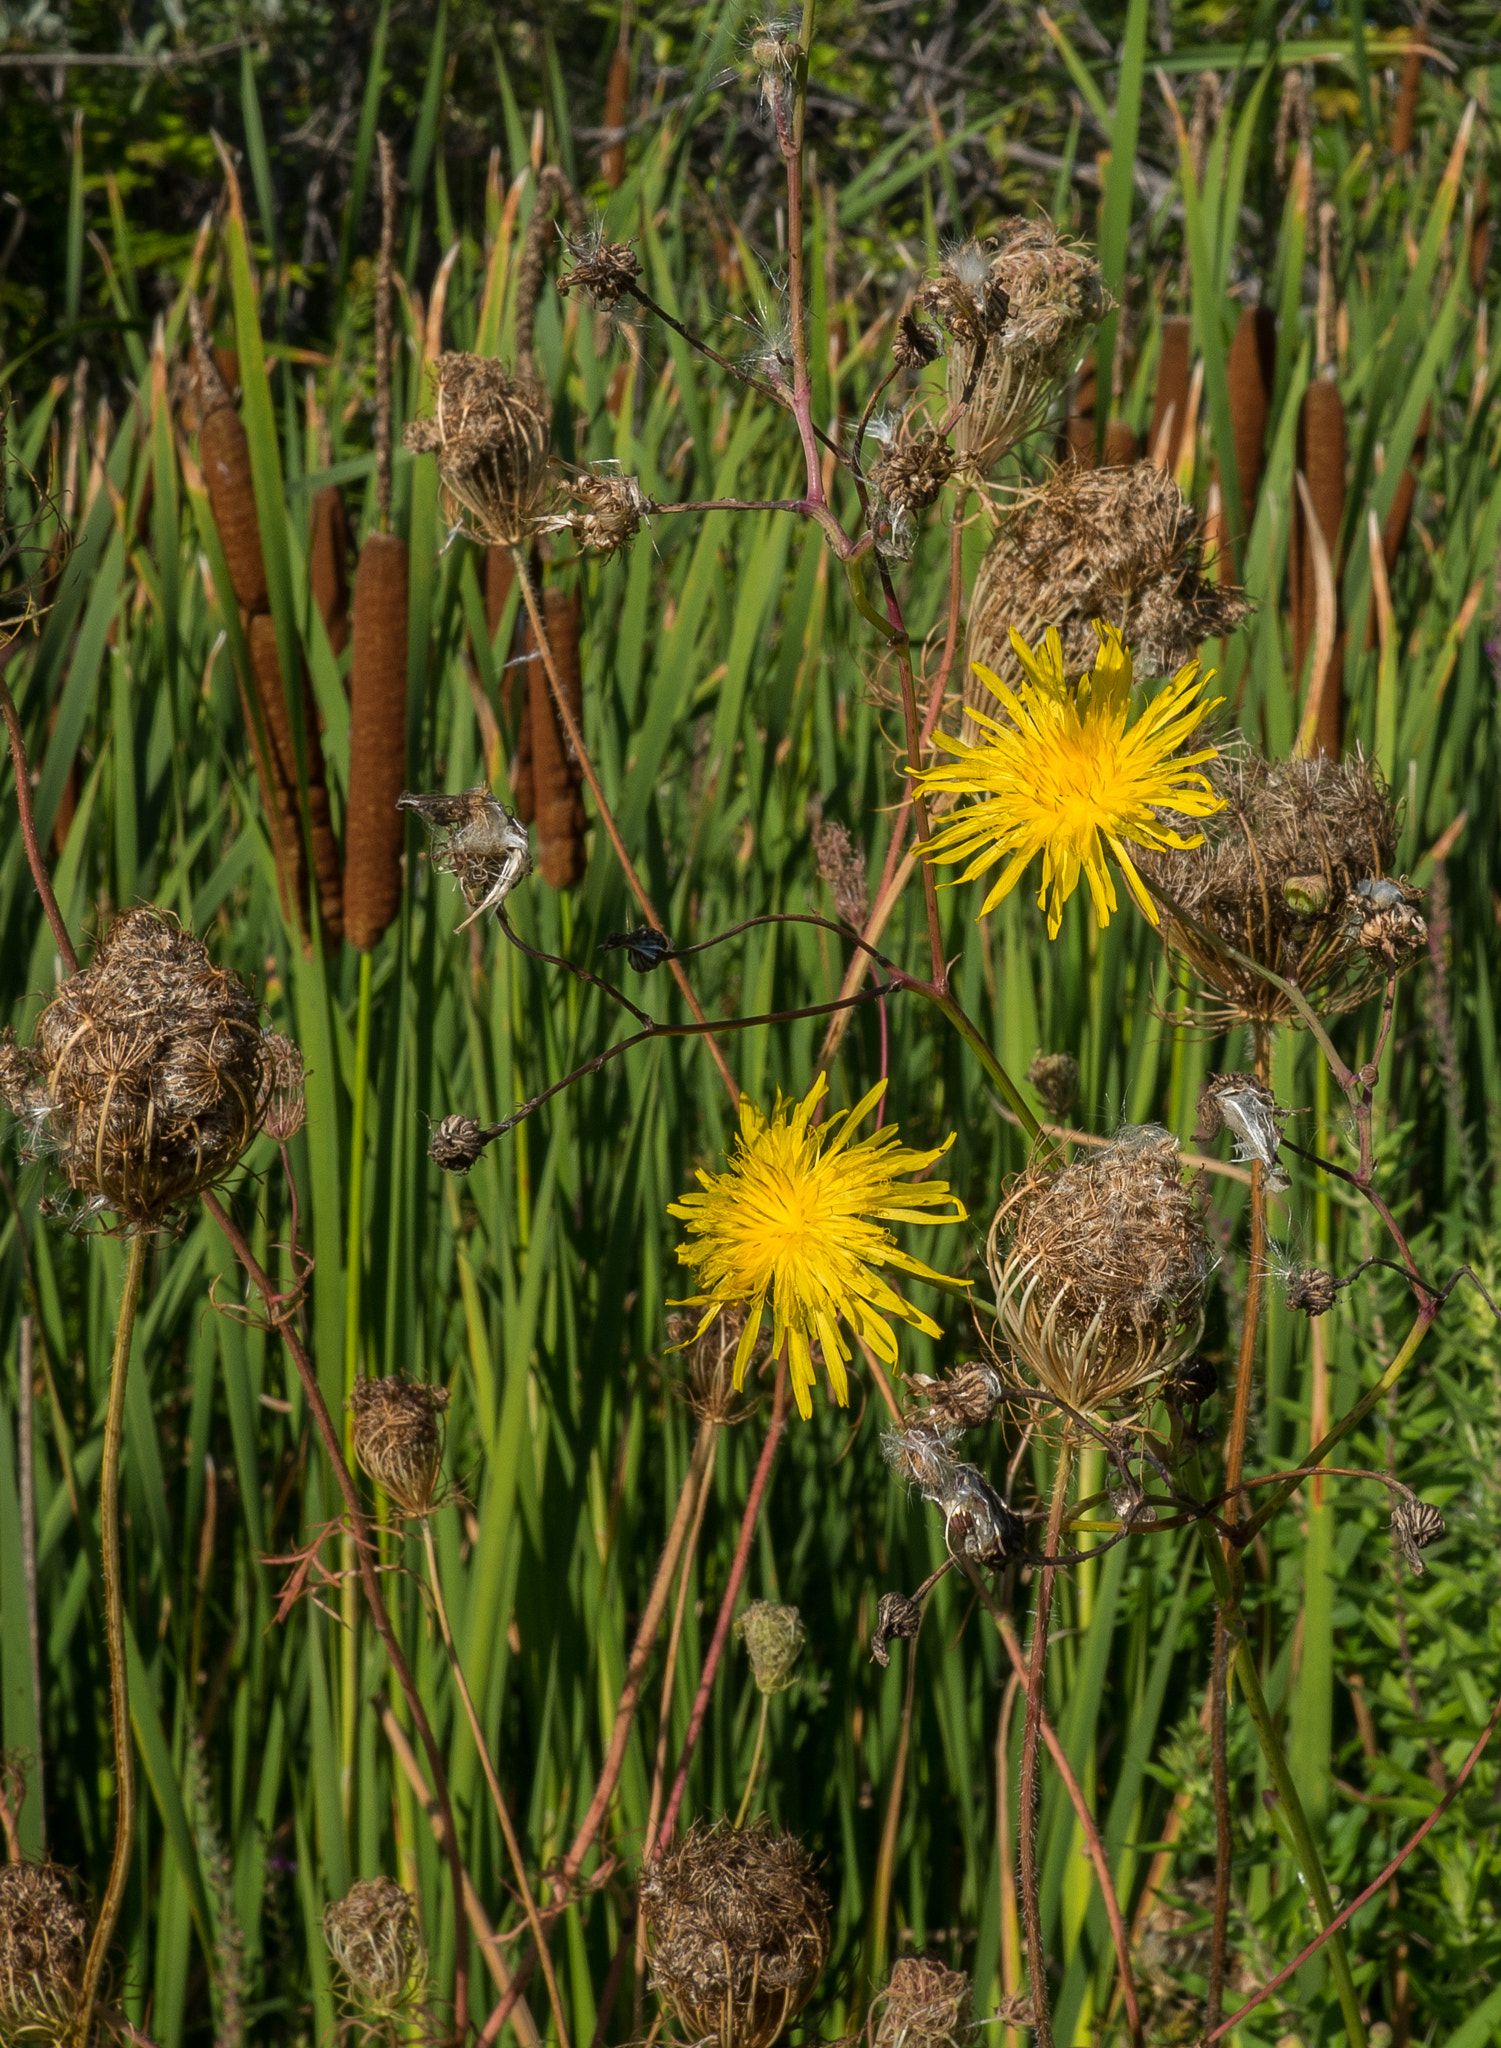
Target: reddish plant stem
x=902 y=648
x=1037 y=1975
x=281 y=1321
x=38 y=866
x=736 y=1579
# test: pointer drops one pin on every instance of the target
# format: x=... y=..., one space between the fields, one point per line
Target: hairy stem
x=114 y=1634
x=1037 y=1975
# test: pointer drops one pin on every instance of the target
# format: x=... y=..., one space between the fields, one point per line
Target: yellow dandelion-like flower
x=1069 y=775
x=799 y=1214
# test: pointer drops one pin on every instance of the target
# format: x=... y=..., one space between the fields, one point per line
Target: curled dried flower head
x=612 y=509
x=1099 y=1269
x=962 y=1400
x=456 y=1144
x=916 y=344
x=372 y=1935
x=738 y=1929
x=773 y=1637
x=978 y=1526
x=1384 y=922
x=841 y=865
x=283 y=1096
x=1310 y=1291
x=712 y=1393
x=42 y=1938
x=1055 y=1076
x=147 y=1074
x=1247 y=1108
x=909 y=476
x=896 y=1616
x=398 y=1439
x=605 y=271
x=925 y=2005
x=489 y=432
x=1278 y=876
x=1415 y=1524
x=477 y=841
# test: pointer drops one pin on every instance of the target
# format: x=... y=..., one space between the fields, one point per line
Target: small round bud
x=773 y=1637
x=456 y=1144
x=1055 y=1076
x=372 y=1935
x=398 y=1439
x=1312 y=1291
x=916 y=344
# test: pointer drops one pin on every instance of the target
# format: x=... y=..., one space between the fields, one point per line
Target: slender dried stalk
x=38 y=866
x=1037 y=1975
x=886 y=1860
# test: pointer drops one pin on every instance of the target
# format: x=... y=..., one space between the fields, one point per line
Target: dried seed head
x=920 y=1452
x=1192 y=1382
x=896 y=1616
x=456 y=1144
x=909 y=476
x=283 y=1095
x=42 y=1938
x=711 y=1392
x=477 y=841
x=490 y=434
x=398 y=1439
x=963 y=1400
x=841 y=865
x=925 y=2006
x=773 y=1637
x=738 y=1928
x=147 y=1075
x=1290 y=873
x=916 y=343
x=605 y=271
x=978 y=1526
x=1099 y=1269
x=372 y=1935
x=1415 y=1524
x=1055 y=1076
x=1247 y=1108
x=1120 y=544
x=613 y=507
x=1310 y=1291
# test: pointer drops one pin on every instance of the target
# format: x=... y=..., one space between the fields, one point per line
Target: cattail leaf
x=161 y=1776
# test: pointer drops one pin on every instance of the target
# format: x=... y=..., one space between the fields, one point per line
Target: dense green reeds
x=734 y=699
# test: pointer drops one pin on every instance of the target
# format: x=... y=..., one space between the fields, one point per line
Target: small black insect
x=645 y=949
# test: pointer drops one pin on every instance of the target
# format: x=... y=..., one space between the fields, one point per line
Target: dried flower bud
x=490 y=435
x=920 y=1453
x=283 y=1104
x=925 y=2005
x=644 y=949
x=841 y=864
x=613 y=509
x=456 y=1144
x=963 y=1400
x=606 y=271
x=1384 y=922
x=398 y=1439
x=897 y=1617
x=916 y=344
x=1311 y=1292
x=1055 y=1076
x=1415 y=1524
x=477 y=841
x=372 y=1935
x=978 y=1526
x=914 y=471
x=773 y=1637
x=42 y=1937
x=1247 y=1108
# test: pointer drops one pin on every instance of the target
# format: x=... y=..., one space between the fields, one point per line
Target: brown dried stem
x=38 y=866
x=1037 y=1975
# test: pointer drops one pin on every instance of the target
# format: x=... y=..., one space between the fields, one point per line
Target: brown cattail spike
x=1170 y=406
x=265 y=662
x=1120 y=444
x=373 y=829
x=556 y=775
x=1251 y=373
x=42 y=1935
x=1404 y=120
x=224 y=452
x=328 y=564
x=1321 y=458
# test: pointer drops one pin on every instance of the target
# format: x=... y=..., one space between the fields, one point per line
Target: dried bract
x=1415 y=1524
x=456 y=1144
x=841 y=865
x=925 y=2006
x=148 y=1074
x=372 y=1935
x=42 y=1940
x=1291 y=874
x=398 y=1439
x=738 y=1929
x=1311 y=1292
x=477 y=841
x=489 y=432
x=1247 y=1108
x=908 y=477
x=1099 y=1270
x=605 y=271
x=916 y=343
x=773 y=1637
x=1055 y=1076
x=612 y=507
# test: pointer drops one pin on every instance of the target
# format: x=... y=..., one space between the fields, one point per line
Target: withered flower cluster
x=373 y=1936
x=490 y=433
x=1055 y=1076
x=609 y=510
x=908 y=477
x=603 y=271
x=710 y=1359
x=148 y=1074
x=477 y=841
x=42 y=1939
x=1292 y=874
x=1100 y=1268
x=1120 y=544
x=978 y=1526
x=925 y=2005
x=398 y=1439
x=773 y=1636
x=738 y=1929
x=1243 y=1105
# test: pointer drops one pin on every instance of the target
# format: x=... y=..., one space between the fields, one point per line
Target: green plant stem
x=497 y=1797
x=1037 y=1974
x=943 y=999
x=114 y=1635
x=880 y=1914
x=755 y=1764
x=349 y=1607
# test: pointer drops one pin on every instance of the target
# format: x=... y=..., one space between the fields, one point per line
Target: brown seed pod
x=328 y=564
x=265 y=662
x=603 y=271
x=738 y=1931
x=960 y=1400
x=398 y=1439
x=1170 y=406
x=456 y=1144
x=1251 y=373
x=1289 y=873
x=774 y=1639
x=42 y=1939
x=373 y=1936
x=1055 y=1076
x=1311 y=1292
x=556 y=774
x=373 y=829
x=477 y=841
x=490 y=435
x=925 y=2005
x=1100 y=1269
x=148 y=1074
x=916 y=344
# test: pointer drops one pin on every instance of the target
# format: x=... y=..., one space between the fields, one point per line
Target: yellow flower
x=799 y=1215
x=1069 y=776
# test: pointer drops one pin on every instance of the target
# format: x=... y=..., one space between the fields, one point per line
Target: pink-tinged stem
x=39 y=874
